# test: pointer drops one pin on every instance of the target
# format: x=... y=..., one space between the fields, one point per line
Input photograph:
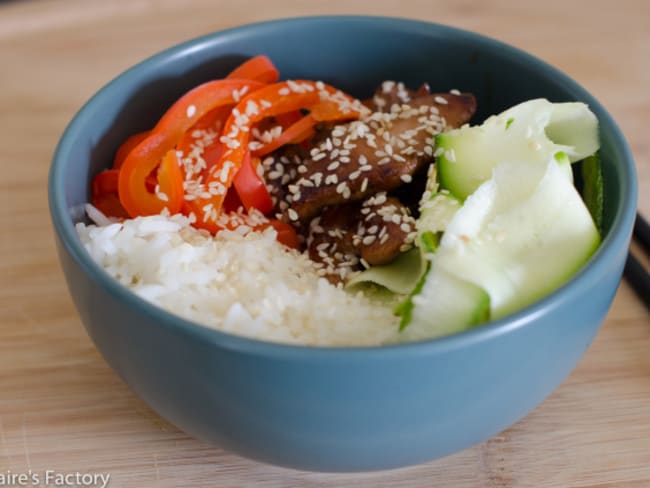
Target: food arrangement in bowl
x=392 y=210
x=359 y=262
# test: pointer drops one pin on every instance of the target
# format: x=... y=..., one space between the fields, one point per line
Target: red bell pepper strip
x=127 y=146
x=164 y=137
x=105 y=194
x=286 y=233
x=288 y=119
x=109 y=204
x=251 y=187
x=168 y=194
x=268 y=101
x=105 y=182
x=258 y=68
x=294 y=134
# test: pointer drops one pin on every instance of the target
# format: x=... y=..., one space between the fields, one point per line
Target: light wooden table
x=62 y=408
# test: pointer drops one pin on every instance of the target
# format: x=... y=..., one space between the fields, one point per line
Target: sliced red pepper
x=127 y=146
x=105 y=194
x=259 y=68
x=294 y=134
x=288 y=119
x=231 y=202
x=286 y=233
x=251 y=187
x=164 y=137
x=109 y=204
x=169 y=181
x=269 y=101
x=105 y=182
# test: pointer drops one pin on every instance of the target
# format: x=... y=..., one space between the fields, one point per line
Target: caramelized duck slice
x=378 y=153
x=376 y=231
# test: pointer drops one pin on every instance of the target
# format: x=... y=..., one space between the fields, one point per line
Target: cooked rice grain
x=248 y=285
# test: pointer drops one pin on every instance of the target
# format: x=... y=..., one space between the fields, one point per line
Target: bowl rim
x=616 y=239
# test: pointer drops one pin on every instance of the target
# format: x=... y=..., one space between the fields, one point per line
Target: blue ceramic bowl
x=337 y=409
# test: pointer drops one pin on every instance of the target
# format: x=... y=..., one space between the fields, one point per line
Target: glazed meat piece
x=378 y=153
x=280 y=168
x=372 y=232
x=330 y=244
x=390 y=92
x=386 y=229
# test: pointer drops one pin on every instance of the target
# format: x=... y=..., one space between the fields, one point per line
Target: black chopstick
x=641 y=232
x=634 y=272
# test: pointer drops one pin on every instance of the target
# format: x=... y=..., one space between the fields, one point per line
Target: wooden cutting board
x=62 y=409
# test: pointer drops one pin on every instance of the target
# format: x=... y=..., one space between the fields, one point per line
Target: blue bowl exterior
x=337 y=409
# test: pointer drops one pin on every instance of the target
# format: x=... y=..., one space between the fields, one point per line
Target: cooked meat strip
x=280 y=168
x=378 y=153
x=385 y=230
x=376 y=230
x=390 y=92
x=330 y=241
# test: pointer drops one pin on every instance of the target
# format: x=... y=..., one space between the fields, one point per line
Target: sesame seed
x=406 y=178
x=383 y=239
x=191 y=110
x=364 y=185
x=405 y=227
x=333 y=166
x=331 y=179
x=293 y=215
x=440 y=100
x=453 y=91
x=319 y=156
x=387 y=86
x=284 y=91
x=369 y=240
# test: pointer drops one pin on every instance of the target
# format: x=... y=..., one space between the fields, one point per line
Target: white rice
x=248 y=285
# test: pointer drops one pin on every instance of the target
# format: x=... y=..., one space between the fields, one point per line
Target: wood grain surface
x=63 y=409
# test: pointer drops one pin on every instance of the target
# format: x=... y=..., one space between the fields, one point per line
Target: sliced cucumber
x=530 y=132
x=592 y=188
x=444 y=304
x=437 y=212
x=523 y=233
x=399 y=276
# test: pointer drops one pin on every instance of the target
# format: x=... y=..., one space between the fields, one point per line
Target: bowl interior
x=352 y=53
